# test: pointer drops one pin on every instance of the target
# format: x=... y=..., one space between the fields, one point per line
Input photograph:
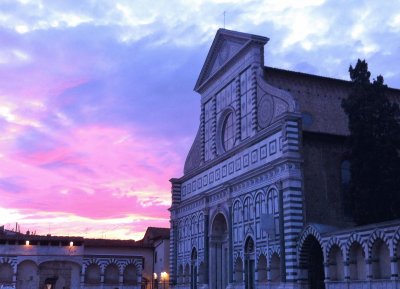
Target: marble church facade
x=262 y=202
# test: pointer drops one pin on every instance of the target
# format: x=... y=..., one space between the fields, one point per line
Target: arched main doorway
x=193 y=269
x=219 y=253
x=249 y=263
x=312 y=263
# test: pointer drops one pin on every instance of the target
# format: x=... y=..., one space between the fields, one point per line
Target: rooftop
x=15 y=237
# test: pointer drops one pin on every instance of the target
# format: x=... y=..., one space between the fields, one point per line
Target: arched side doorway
x=111 y=274
x=59 y=274
x=335 y=263
x=27 y=276
x=93 y=274
x=219 y=253
x=187 y=274
x=130 y=275
x=6 y=274
x=181 y=276
x=202 y=273
x=193 y=269
x=239 y=271
x=275 y=268
x=357 y=262
x=398 y=256
x=380 y=260
x=262 y=269
x=312 y=263
x=249 y=264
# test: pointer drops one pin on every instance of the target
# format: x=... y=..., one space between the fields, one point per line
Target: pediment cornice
x=227 y=45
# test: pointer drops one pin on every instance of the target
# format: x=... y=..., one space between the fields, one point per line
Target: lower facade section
x=373 y=284
x=366 y=257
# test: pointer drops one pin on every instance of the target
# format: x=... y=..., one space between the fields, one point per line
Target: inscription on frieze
x=256 y=155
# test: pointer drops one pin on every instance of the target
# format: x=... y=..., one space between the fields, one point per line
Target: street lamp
x=155 y=285
x=164 y=278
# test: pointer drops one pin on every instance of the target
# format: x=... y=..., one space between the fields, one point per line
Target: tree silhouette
x=374 y=148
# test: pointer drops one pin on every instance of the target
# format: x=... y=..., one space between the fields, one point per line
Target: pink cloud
x=98 y=173
x=74 y=157
x=91 y=175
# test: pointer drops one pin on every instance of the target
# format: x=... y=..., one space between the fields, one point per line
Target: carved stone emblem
x=223 y=54
x=265 y=111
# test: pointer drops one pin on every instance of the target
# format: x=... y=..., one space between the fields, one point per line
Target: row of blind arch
x=264 y=273
x=242 y=211
x=253 y=208
x=111 y=274
x=93 y=273
x=380 y=261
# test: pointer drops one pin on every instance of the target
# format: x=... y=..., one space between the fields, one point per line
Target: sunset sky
x=97 y=109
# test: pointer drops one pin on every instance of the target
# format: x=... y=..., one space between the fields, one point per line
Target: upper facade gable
x=227 y=45
x=236 y=101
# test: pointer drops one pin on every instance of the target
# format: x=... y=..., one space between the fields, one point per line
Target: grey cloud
x=12 y=184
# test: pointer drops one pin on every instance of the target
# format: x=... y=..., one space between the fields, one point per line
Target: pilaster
x=238 y=110
x=368 y=263
x=202 y=133
x=293 y=224
x=102 y=279
x=394 y=271
x=206 y=246
x=82 y=277
x=326 y=272
x=230 y=269
x=173 y=252
x=292 y=197
x=213 y=113
x=253 y=93
x=346 y=268
x=176 y=191
x=291 y=136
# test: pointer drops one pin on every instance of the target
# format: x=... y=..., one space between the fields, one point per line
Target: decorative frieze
x=255 y=156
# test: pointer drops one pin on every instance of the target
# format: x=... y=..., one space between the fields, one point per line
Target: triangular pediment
x=226 y=45
x=226 y=49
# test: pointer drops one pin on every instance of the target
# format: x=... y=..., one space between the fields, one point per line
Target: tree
x=374 y=148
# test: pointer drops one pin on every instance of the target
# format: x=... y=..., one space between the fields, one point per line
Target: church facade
x=263 y=200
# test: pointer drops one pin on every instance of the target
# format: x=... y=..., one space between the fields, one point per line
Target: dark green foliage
x=374 y=148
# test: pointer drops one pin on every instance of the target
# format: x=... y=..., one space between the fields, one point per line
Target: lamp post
x=164 y=278
x=155 y=281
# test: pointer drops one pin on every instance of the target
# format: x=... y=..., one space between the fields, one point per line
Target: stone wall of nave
x=324 y=180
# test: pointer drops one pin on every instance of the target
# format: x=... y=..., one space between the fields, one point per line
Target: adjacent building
x=263 y=202
x=61 y=262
